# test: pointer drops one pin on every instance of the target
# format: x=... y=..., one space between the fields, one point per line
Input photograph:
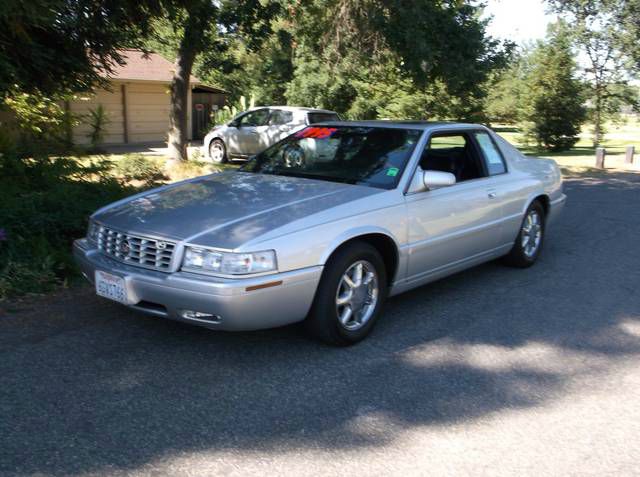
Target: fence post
x=600 y=153
x=631 y=150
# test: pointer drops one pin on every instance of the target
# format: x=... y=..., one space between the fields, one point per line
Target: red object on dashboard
x=315 y=132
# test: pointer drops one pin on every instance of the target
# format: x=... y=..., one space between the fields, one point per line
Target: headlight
x=93 y=231
x=228 y=263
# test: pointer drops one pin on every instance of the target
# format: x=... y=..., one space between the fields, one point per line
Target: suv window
x=455 y=153
x=279 y=117
x=255 y=118
x=493 y=158
x=314 y=118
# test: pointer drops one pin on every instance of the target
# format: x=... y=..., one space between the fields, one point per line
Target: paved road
x=493 y=371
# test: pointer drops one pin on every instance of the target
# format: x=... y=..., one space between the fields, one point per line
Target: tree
x=203 y=25
x=554 y=94
x=599 y=33
x=372 y=58
x=54 y=46
x=507 y=90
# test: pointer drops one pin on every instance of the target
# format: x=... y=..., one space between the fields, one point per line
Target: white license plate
x=111 y=286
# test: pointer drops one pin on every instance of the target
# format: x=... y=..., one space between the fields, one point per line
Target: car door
x=280 y=126
x=245 y=133
x=452 y=225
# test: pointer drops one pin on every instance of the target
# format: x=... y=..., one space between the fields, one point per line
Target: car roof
x=294 y=108
x=421 y=125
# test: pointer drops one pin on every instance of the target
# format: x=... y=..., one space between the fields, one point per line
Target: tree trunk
x=178 y=134
x=597 y=122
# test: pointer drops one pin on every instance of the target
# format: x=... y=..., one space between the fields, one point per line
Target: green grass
x=582 y=155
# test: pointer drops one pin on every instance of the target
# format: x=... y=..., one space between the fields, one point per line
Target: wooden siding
x=148 y=107
x=112 y=103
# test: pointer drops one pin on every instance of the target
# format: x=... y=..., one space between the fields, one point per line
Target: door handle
x=492 y=194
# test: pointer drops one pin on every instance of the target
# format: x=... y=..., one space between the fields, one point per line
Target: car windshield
x=371 y=156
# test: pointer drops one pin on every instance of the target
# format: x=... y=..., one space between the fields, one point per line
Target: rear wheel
x=528 y=244
x=350 y=295
x=217 y=151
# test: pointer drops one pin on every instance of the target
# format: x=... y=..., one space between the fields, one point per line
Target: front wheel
x=350 y=296
x=217 y=151
x=528 y=244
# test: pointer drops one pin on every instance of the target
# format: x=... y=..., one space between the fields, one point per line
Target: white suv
x=252 y=131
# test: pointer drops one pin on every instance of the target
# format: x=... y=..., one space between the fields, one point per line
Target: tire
x=323 y=322
x=218 y=152
x=522 y=255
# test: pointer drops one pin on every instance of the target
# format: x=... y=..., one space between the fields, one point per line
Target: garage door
x=148 y=110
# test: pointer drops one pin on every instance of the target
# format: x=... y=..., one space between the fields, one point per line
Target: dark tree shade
x=54 y=46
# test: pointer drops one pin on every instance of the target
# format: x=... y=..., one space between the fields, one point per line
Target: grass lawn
x=582 y=157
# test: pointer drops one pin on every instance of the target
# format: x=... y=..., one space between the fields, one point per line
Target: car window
x=255 y=118
x=279 y=117
x=493 y=158
x=454 y=153
x=314 y=118
x=370 y=156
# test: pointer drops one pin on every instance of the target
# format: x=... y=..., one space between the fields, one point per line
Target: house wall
x=112 y=103
x=147 y=113
x=148 y=108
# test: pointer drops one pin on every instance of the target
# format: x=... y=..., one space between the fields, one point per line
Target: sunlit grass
x=582 y=156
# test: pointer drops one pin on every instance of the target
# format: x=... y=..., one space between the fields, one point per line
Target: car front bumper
x=235 y=304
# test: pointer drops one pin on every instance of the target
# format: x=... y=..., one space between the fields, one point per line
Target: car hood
x=228 y=209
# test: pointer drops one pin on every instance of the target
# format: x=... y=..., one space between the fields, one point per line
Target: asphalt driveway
x=492 y=371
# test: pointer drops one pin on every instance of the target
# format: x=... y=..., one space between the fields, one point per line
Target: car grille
x=135 y=250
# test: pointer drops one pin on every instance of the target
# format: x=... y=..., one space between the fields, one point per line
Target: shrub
x=137 y=167
x=44 y=125
x=45 y=205
x=98 y=121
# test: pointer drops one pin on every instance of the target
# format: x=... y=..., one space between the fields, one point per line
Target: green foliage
x=98 y=121
x=554 y=94
x=55 y=46
x=45 y=205
x=137 y=167
x=366 y=59
x=42 y=121
x=507 y=91
x=228 y=112
x=599 y=30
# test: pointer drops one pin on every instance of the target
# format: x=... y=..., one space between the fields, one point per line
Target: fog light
x=200 y=316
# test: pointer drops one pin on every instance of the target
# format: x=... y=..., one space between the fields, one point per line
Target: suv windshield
x=371 y=156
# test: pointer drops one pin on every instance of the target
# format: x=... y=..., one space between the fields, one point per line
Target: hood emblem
x=125 y=247
x=161 y=245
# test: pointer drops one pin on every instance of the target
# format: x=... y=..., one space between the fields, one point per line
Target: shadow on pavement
x=90 y=387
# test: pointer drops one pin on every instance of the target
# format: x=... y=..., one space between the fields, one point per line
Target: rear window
x=314 y=118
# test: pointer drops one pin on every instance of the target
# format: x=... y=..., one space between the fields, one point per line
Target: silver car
x=256 y=129
x=323 y=227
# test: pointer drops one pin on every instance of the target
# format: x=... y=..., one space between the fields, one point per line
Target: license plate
x=111 y=286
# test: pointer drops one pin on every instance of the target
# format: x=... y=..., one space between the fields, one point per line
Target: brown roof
x=150 y=67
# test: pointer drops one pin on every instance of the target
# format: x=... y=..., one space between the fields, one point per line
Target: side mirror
x=425 y=180
x=434 y=179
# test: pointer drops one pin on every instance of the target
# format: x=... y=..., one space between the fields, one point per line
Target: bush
x=45 y=205
x=137 y=167
x=43 y=124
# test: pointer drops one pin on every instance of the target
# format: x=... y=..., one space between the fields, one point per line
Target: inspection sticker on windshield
x=316 y=133
x=393 y=171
